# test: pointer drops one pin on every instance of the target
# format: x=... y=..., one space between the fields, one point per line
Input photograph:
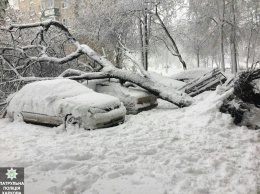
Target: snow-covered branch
x=127 y=53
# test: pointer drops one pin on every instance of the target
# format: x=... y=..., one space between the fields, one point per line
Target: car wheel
x=71 y=121
x=17 y=116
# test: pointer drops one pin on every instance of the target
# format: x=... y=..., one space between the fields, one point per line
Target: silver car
x=134 y=98
x=64 y=101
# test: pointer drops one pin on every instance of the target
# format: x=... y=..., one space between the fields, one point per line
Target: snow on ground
x=165 y=150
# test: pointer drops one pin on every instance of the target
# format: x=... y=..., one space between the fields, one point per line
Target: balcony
x=51 y=12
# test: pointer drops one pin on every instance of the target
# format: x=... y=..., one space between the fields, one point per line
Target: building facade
x=38 y=10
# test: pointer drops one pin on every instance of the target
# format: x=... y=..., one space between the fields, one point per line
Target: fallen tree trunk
x=169 y=94
x=108 y=70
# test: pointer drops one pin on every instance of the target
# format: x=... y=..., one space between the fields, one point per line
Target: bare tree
x=174 y=48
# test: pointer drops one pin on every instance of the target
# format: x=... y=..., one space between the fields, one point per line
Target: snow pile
x=190 y=74
x=165 y=150
x=170 y=82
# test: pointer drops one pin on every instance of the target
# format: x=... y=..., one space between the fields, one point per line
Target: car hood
x=92 y=102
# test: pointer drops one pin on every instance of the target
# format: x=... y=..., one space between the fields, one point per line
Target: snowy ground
x=165 y=150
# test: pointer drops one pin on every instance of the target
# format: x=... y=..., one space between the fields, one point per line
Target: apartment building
x=37 y=10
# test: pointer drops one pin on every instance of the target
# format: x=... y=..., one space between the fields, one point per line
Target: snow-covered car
x=134 y=98
x=190 y=74
x=65 y=101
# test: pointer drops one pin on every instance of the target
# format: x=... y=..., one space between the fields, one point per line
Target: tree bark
x=254 y=45
x=198 y=58
x=140 y=33
x=233 y=46
x=145 y=38
x=248 y=48
x=222 y=52
x=119 y=58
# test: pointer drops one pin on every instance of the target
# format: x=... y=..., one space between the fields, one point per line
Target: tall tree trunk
x=119 y=58
x=145 y=40
x=198 y=58
x=140 y=33
x=222 y=52
x=149 y=18
x=207 y=62
x=254 y=45
x=255 y=42
x=248 y=48
x=233 y=46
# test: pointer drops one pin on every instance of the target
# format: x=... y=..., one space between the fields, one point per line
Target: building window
x=31 y=11
x=66 y=22
x=64 y=4
x=41 y=7
x=53 y=18
x=49 y=4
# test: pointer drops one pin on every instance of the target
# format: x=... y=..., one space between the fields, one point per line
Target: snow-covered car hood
x=84 y=103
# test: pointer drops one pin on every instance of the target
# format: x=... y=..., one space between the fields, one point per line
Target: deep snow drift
x=165 y=150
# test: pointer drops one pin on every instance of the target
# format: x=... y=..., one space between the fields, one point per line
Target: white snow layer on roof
x=59 y=97
x=165 y=150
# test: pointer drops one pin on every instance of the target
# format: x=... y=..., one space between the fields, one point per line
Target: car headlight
x=96 y=110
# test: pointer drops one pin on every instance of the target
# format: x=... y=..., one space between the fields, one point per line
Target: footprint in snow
x=113 y=175
x=122 y=172
x=151 y=151
x=131 y=158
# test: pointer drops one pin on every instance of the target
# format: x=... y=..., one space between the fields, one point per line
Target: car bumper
x=148 y=107
x=111 y=118
x=111 y=123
